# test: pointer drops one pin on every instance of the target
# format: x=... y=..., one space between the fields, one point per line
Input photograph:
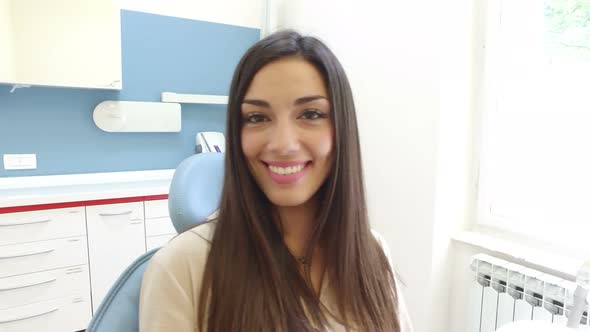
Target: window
x=535 y=99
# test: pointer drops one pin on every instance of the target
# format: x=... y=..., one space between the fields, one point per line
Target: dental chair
x=194 y=195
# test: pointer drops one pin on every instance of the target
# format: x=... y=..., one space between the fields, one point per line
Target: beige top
x=172 y=282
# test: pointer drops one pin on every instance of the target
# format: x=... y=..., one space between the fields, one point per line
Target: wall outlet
x=20 y=161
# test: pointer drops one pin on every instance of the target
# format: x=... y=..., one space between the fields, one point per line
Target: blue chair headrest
x=195 y=190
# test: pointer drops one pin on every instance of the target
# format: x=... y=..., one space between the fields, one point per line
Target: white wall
x=409 y=63
x=6 y=43
x=246 y=13
x=456 y=176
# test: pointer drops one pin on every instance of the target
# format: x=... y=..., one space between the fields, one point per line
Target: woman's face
x=287 y=131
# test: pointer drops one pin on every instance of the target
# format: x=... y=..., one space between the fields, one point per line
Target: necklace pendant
x=302 y=260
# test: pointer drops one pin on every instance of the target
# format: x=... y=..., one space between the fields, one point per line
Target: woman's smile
x=286 y=173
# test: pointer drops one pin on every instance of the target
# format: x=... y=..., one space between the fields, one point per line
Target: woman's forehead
x=286 y=80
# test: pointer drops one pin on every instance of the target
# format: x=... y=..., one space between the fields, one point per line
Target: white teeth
x=285 y=170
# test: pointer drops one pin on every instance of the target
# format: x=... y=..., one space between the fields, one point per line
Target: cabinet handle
x=78 y=300
x=74 y=270
x=28 y=285
x=29 y=316
x=135 y=222
x=37 y=252
x=18 y=223
x=111 y=214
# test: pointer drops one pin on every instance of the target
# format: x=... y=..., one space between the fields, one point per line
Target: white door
x=116 y=237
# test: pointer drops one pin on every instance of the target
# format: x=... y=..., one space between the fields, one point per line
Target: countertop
x=39 y=190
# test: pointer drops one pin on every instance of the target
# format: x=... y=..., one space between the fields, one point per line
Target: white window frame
x=486 y=101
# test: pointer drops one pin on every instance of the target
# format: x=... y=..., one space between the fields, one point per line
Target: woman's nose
x=284 y=139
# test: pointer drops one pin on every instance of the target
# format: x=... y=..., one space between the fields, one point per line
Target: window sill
x=539 y=259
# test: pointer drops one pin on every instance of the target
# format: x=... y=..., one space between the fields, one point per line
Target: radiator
x=501 y=292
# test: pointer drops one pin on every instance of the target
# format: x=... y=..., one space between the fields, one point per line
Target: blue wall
x=159 y=53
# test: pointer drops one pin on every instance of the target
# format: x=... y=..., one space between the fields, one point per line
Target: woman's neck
x=297 y=223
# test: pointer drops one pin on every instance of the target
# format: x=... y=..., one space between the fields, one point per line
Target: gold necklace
x=301 y=260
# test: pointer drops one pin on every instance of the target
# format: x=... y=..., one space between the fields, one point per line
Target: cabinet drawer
x=32 y=226
x=115 y=240
x=43 y=255
x=43 y=286
x=158 y=241
x=156 y=209
x=116 y=212
x=159 y=226
x=67 y=314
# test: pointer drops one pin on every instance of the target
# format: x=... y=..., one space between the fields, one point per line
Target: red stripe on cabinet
x=61 y=205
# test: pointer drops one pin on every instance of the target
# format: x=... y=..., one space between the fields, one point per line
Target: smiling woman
x=287 y=133
x=291 y=249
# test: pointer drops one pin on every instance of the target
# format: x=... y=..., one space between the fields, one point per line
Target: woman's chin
x=287 y=199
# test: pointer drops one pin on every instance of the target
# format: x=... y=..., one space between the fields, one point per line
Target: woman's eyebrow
x=308 y=99
x=256 y=102
x=298 y=101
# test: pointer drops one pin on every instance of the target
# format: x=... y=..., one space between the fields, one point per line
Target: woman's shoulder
x=171 y=283
x=381 y=240
x=387 y=252
x=190 y=247
x=406 y=325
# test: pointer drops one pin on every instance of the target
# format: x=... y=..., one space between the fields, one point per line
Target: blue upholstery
x=195 y=189
x=119 y=310
x=194 y=195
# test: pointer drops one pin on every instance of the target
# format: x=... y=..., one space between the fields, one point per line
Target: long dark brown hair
x=251 y=281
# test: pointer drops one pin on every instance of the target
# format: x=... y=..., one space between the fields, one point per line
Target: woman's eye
x=255 y=118
x=313 y=114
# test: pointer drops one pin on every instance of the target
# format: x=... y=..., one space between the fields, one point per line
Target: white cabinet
x=156 y=209
x=42 y=255
x=32 y=226
x=43 y=286
x=64 y=43
x=56 y=266
x=44 y=279
x=158 y=226
x=154 y=242
x=116 y=237
x=66 y=314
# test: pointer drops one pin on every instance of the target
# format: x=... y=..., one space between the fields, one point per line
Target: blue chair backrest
x=194 y=195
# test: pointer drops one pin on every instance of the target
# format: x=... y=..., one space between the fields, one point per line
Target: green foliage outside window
x=567 y=29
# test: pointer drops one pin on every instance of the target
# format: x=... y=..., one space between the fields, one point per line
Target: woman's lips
x=286 y=172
